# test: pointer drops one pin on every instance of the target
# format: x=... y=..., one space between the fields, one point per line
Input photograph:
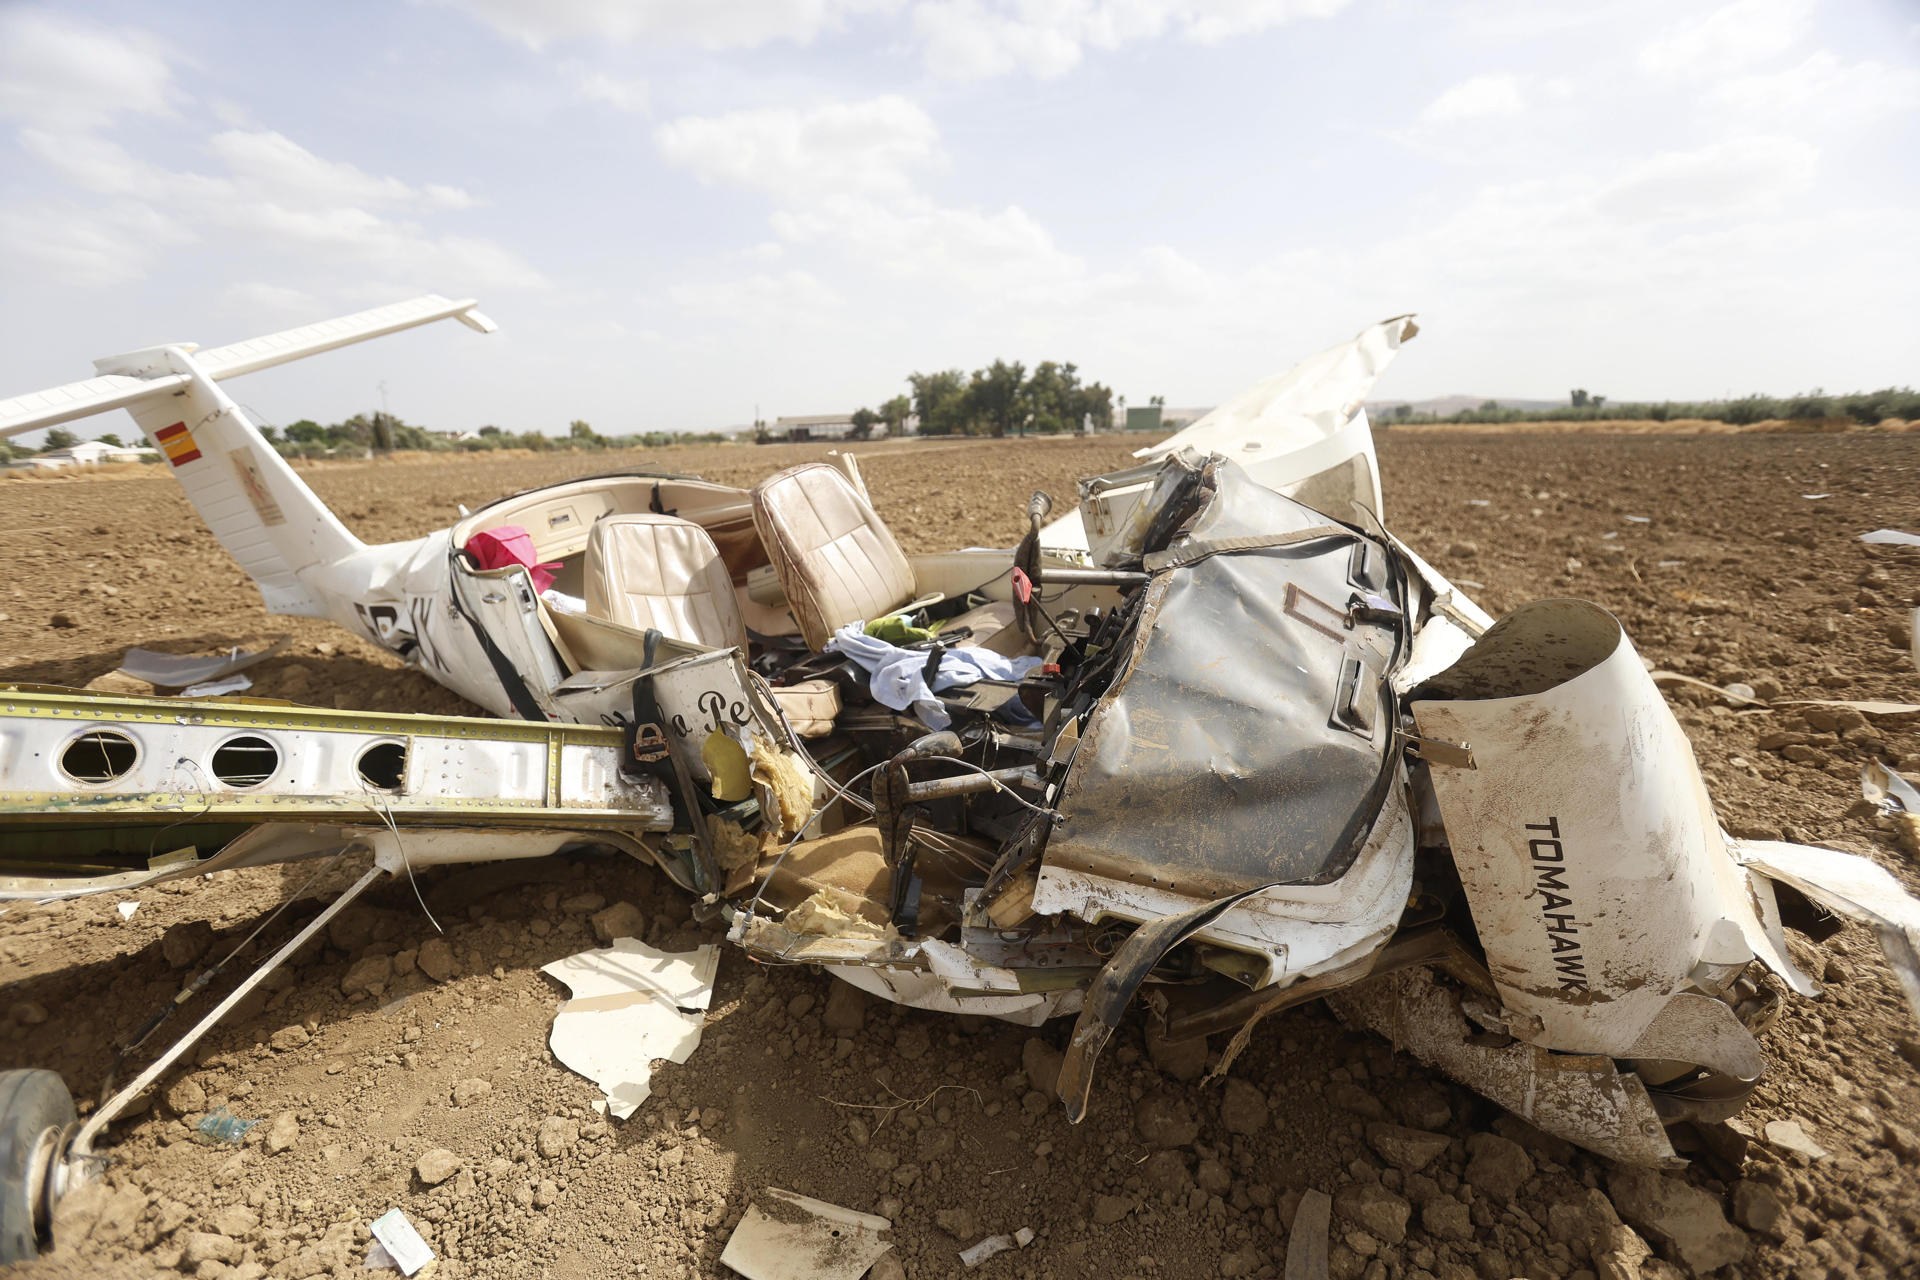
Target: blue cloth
x=898 y=676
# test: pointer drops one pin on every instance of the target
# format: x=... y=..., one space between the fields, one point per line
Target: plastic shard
x=631 y=1004
x=786 y=1236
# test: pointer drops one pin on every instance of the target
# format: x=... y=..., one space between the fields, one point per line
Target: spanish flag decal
x=178 y=443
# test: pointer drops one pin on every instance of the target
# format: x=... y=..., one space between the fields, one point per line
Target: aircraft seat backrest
x=662 y=572
x=836 y=560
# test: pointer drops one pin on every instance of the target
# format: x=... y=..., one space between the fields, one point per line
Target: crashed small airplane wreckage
x=1216 y=732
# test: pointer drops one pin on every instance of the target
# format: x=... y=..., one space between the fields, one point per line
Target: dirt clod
x=1375 y=1210
x=1243 y=1107
x=621 y=920
x=436 y=960
x=287 y=1039
x=184 y=943
x=1683 y=1220
x=1408 y=1149
x=436 y=1166
x=1164 y=1120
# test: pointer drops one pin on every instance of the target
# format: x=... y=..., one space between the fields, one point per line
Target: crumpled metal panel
x=1582 y=1099
x=1583 y=834
x=1243 y=743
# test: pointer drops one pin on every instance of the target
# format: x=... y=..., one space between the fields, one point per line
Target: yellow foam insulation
x=835 y=913
x=733 y=846
x=732 y=781
x=789 y=782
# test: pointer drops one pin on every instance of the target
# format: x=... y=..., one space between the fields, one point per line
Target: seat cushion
x=837 y=562
x=664 y=573
x=809 y=706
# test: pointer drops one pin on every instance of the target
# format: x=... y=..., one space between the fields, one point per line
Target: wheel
x=35 y=1110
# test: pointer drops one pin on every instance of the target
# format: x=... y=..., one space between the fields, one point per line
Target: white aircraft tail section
x=259 y=509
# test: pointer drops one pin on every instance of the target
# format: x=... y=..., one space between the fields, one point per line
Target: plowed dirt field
x=1731 y=557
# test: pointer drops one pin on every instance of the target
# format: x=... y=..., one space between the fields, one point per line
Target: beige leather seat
x=837 y=562
x=662 y=572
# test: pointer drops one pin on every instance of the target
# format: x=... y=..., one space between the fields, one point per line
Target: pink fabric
x=510 y=545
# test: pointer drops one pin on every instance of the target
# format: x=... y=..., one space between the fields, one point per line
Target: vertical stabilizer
x=261 y=511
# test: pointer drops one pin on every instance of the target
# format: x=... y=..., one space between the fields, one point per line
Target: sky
x=686 y=212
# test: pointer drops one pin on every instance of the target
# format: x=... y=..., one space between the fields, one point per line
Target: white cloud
x=1824 y=91
x=781 y=300
x=1731 y=176
x=620 y=94
x=975 y=39
x=265 y=192
x=869 y=148
x=67 y=74
x=842 y=185
x=268 y=166
x=1495 y=94
x=256 y=297
x=83 y=247
x=711 y=24
x=1728 y=39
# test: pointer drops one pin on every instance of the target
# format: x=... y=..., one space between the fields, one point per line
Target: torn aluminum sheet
x=1896 y=799
x=1852 y=886
x=1888 y=791
x=177 y=671
x=1892 y=538
x=631 y=1004
x=218 y=688
x=1302 y=433
x=1584 y=1099
x=786 y=1236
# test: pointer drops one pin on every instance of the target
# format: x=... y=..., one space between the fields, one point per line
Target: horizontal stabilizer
x=127 y=380
x=80 y=400
x=312 y=339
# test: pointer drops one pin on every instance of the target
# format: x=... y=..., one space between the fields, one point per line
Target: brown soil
x=930 y=1120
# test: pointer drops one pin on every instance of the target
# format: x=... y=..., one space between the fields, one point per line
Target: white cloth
x=898 y=676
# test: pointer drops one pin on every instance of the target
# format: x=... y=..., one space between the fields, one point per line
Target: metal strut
x=80 y=1161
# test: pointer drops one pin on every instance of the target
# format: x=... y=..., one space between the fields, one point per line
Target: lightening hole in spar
x=383 y=766
x=245 y=761
x=98 y=756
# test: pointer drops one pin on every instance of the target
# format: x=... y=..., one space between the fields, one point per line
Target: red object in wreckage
x=510 y=545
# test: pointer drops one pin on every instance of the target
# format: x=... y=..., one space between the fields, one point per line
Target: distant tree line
x=1864 y=407
x=384 y=432
x=999 y=400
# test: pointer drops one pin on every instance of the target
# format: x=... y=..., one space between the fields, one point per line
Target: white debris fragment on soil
x=631 y=1004
x=975 y=1254
x=1790 y=1136
x=397 y=1244
x=784 y=1236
